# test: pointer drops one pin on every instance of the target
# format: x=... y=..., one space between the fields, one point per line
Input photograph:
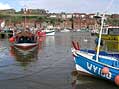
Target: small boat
x=5 y=32
x=95 y=64
x=24 y=40
x=49 y=32
x=65 y=30
x=46 y=32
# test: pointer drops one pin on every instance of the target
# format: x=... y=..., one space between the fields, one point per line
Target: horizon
x=58 y=6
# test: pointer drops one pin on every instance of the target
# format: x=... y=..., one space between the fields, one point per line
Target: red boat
x=24 y=40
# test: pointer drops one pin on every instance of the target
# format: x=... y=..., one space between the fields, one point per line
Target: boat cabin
x=110 y=33
x=111 y=30
x=25 y=37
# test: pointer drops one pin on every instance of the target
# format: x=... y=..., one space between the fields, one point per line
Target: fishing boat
x=65 y=30
x=24 y=40
x=105 y=66
x=95 y=64
x=110 y=33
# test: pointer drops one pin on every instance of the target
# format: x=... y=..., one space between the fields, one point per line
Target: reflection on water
x=83 y=81
x=15 y=63
x=50 y=41
x=48 y=67
x=24 y=57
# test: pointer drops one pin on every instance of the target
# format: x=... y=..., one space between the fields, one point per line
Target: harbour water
x=48 y=67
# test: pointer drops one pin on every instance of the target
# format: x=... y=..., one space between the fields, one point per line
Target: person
x=96 y=41
x=101 y=44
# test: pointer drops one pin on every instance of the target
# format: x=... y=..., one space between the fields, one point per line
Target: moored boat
x=65 y=30
x=24 y=40
x=49 y=32
x=95 y=64
x=106 y=67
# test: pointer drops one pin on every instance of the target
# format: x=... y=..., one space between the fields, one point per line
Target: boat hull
x=51 y=33
x=25 y=46
x=86 y=63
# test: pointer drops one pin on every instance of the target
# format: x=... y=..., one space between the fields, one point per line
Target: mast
x=102 y=23
x=72 y=21
x=99 y=41
x=25 y=18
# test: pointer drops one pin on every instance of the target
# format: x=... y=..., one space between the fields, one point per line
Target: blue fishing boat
x=106 y=67
x=96 y=64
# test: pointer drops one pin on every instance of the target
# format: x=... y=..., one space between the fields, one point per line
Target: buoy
x=105 y=70
x=12 y=39
x=40 y=39
x=116 y=80
x=38 y=33
x=44 y=33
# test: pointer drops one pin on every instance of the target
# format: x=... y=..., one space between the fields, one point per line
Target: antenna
x=24 y=12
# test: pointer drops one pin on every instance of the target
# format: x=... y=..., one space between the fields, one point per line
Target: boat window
x=113 y=31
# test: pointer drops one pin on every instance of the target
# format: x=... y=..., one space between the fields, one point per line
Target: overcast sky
x=81 y=6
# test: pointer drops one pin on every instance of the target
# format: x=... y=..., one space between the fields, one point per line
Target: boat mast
x=25 y=11
x=72 y=22
x=99 y=41
x=102 y=23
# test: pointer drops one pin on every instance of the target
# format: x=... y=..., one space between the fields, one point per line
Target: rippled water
x=47 y=67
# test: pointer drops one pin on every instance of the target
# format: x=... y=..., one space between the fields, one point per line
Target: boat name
x=98 y=71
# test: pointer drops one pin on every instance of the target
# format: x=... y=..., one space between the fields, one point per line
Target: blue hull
x=93 y=67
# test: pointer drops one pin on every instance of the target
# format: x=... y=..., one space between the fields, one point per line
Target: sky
x=68 y=6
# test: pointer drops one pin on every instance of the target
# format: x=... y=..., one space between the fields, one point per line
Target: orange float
x=105 y=70
x=12 y=39
x=116 y=80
